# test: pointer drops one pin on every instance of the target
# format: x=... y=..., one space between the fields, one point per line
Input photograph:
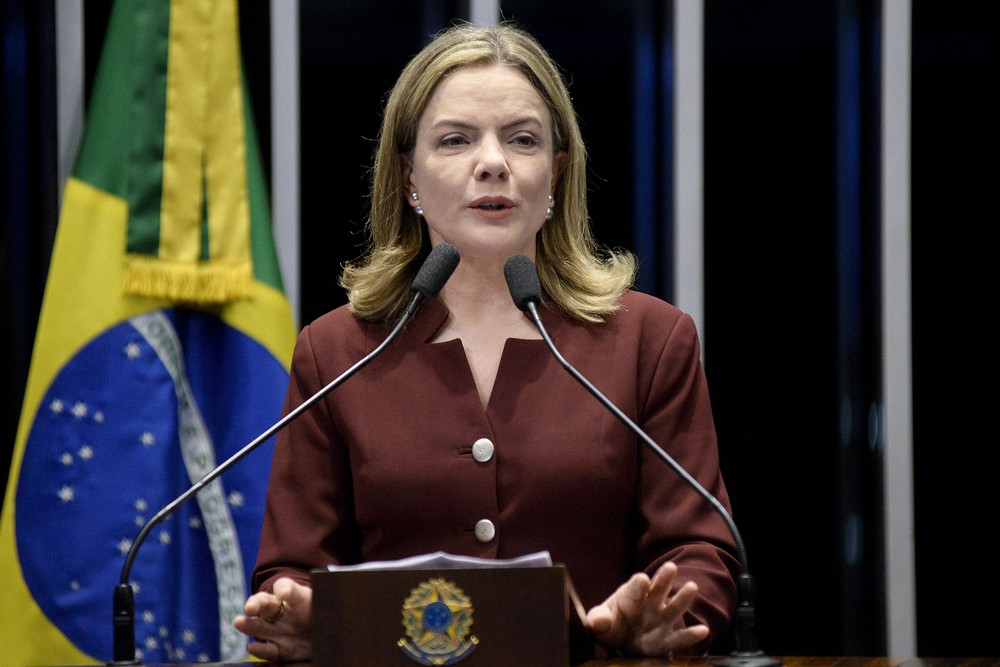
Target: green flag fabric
x=162 y=349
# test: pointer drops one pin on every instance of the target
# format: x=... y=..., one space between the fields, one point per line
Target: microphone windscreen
x=522 y=281
x=436 y=270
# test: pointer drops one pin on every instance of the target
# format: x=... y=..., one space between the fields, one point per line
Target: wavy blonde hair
x=581 y=277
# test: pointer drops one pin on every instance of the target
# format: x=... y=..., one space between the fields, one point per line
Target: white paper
x=440 y=560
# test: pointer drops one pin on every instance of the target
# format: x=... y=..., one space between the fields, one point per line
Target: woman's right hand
x=278 y=623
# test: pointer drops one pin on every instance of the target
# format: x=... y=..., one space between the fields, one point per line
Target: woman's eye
x=453 y=140
x=525 y=140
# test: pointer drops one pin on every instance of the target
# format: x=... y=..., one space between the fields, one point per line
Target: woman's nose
x=492 y=162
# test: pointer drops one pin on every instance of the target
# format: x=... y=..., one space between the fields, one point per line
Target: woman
x=466 y=435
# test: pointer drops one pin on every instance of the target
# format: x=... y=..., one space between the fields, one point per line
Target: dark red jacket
x=383 y=466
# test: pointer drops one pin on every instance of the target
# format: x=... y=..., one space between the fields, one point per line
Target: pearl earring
x=419 y=210
x=549 y=212
x=414 y=196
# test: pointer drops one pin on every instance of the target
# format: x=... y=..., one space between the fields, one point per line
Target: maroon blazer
x=387 y=465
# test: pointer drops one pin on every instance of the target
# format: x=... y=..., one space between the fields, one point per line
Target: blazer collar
x=433 y=314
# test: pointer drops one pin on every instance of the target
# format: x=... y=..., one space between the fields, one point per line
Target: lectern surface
x=793 y=661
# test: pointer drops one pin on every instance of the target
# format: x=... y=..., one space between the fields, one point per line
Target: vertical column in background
x=858 y=331
x=484 y=12
x=647 y=164
x=69 y=85
x=688 y=235
x=285 y=162
x=897 y=420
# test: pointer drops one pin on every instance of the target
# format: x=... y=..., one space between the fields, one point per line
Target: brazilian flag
x=162 y=349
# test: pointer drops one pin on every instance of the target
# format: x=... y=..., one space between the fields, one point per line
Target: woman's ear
x=411 y=190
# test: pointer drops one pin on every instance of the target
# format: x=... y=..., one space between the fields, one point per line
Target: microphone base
x=748 y=659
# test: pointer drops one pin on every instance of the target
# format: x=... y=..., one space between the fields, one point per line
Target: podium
x=521 y=616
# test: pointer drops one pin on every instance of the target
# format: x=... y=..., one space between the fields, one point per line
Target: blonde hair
x=578 y=275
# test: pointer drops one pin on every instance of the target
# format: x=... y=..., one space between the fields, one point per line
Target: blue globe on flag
x=129 y=423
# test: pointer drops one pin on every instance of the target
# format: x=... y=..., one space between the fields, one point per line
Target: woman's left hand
x=279 y=622
x=641 y=618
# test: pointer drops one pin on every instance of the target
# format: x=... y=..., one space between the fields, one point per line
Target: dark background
x=792 y=256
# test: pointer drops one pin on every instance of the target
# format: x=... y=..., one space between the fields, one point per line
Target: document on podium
x=441 y=560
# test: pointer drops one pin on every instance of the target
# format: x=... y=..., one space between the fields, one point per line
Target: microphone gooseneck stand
x=431 y=277
x=522 y=279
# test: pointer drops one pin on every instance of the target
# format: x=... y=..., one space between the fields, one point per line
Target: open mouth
x=492 y=205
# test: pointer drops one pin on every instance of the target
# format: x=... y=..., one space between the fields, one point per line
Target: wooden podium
x=521 y=616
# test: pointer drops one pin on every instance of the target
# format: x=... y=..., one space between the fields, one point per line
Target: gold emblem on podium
x=437 y=617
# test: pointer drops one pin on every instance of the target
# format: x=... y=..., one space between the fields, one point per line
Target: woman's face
x=484 y=164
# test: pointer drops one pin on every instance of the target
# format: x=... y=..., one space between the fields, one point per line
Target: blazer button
x=482 y=450
x=485 y=530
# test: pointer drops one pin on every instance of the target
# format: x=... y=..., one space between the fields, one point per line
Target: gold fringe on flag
x=201 y=285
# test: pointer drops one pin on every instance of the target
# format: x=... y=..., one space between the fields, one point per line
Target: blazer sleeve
x=309 y=511
x=675 y=522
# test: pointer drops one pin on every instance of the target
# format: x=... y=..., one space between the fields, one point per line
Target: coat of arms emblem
x=437 y=617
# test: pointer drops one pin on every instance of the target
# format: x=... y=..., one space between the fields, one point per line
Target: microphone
x=433 y=274
x=522 y=281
